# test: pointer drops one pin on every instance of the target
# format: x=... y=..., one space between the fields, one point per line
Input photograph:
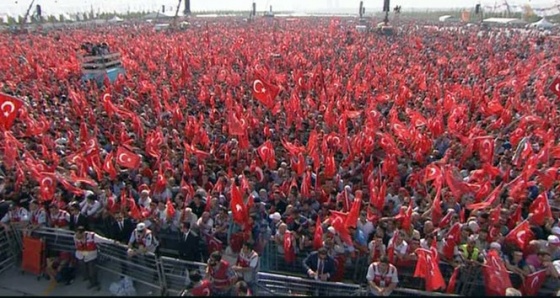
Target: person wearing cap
x=17 y=216
x=382 y=277
x=545 y=263
x=144 y=200
x=141 y=241
x=86 y=252
x=553 y=246
x=221 y=275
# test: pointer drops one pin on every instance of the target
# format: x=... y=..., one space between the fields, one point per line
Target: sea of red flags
x=321 y=106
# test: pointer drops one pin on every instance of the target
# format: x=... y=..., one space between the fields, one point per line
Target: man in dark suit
x=189 y=244
x=76 y=218
x=121 y=228
x=319 y=265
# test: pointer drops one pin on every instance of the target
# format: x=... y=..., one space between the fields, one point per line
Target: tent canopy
x=543 y=23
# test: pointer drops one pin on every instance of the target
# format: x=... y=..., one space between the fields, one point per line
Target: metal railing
x=7 y=253
x=171 y=276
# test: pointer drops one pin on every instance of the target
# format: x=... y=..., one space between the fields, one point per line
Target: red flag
x=47 y=184
x=289 y=251
x=452 y=238
x=127 y=159
x=109 y=166
x=238 y=209
x=555 y=86
x=170 y=209
x=533 y=282
x=9 y=107
x=265 y=92
x=496 y=277
x=391 y=247
x=338 y=223
x=318 y=236
x=427 y=267
x=540 y=209
x=352 y=219
x=520 y=235
x=486 y=149
x=452 y=281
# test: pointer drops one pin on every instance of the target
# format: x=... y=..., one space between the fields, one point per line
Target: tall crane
x=22 y=25
x=174 y=25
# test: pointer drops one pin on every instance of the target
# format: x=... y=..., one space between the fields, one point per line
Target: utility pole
x=26 y=15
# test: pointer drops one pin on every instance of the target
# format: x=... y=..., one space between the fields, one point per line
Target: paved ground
x=14 y=283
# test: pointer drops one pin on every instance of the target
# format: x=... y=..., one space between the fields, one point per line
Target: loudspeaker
x=254 y=8
x=477 y=9
x=187 y=6
x=386 y=5
x=270 y=8
x=38 y=8
x=361 y=11
x=163 y=8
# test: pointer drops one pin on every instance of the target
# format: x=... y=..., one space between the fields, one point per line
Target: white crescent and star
x=124 y=158
x=238 y=207
x=519 y=236
x=257 y=88
x=557 y=87
x=7 y=108
x=535 y=282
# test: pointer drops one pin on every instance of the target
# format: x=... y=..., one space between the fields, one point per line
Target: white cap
x=556 y=231
x=140 y=227
x=553 y=240
x=332 y=230
x=275 y=216
x=145 y=191
x=473 y=226
x=495 y=245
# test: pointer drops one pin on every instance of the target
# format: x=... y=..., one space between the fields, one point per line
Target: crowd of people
x=427 y=145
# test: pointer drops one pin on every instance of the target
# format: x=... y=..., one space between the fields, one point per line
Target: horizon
x=56 y=7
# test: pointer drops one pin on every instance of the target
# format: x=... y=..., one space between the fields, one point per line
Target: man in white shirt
x=90 y=206
x=365 y=225
x=16 y=216
x=382 y=277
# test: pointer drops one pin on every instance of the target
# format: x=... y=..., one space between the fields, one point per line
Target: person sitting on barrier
x=141 y=241
x=242 y=289
x=382 y=277
x=86 y=252
x=38 y=217
x=221 y=275
x=248 y=264
x=319 y=265
x=17 y=216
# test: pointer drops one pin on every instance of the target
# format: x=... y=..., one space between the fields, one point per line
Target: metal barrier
x=176 y=273
x=56 y=239
x=295 y=286
x=7 y=253
x=145 y=269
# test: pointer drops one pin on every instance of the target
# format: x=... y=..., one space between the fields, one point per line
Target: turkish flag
x=47 y=186
x=520 y=235
x=265 y=92
x=352 y=219
x=338 y=220
x=486 y=149
x=289 y=251
x=451 y=239
x=109 y=166
x=496 y=276
x=540 y=209
x=238 y=210
x=452 y=281
x=555 y=86
x=9 y=107
x=318 y=235
x=127 y=159
x=433 y=172
x=169 y=209
x=533 y=283
x=391 y=247
x=427 y=267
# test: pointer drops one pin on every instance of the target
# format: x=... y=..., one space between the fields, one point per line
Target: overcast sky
x=15 y=7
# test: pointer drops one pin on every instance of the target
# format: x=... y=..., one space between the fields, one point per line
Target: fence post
x=161 y=276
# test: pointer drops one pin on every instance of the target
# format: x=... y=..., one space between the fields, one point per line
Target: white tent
x=542 y=24
x=448 y=18
x=115 y=19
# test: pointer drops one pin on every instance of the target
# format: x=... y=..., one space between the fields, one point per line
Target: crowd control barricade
x=57 y=240
x=283 y=285
x=7 y=252
x=176 y=273
x=144 y=269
